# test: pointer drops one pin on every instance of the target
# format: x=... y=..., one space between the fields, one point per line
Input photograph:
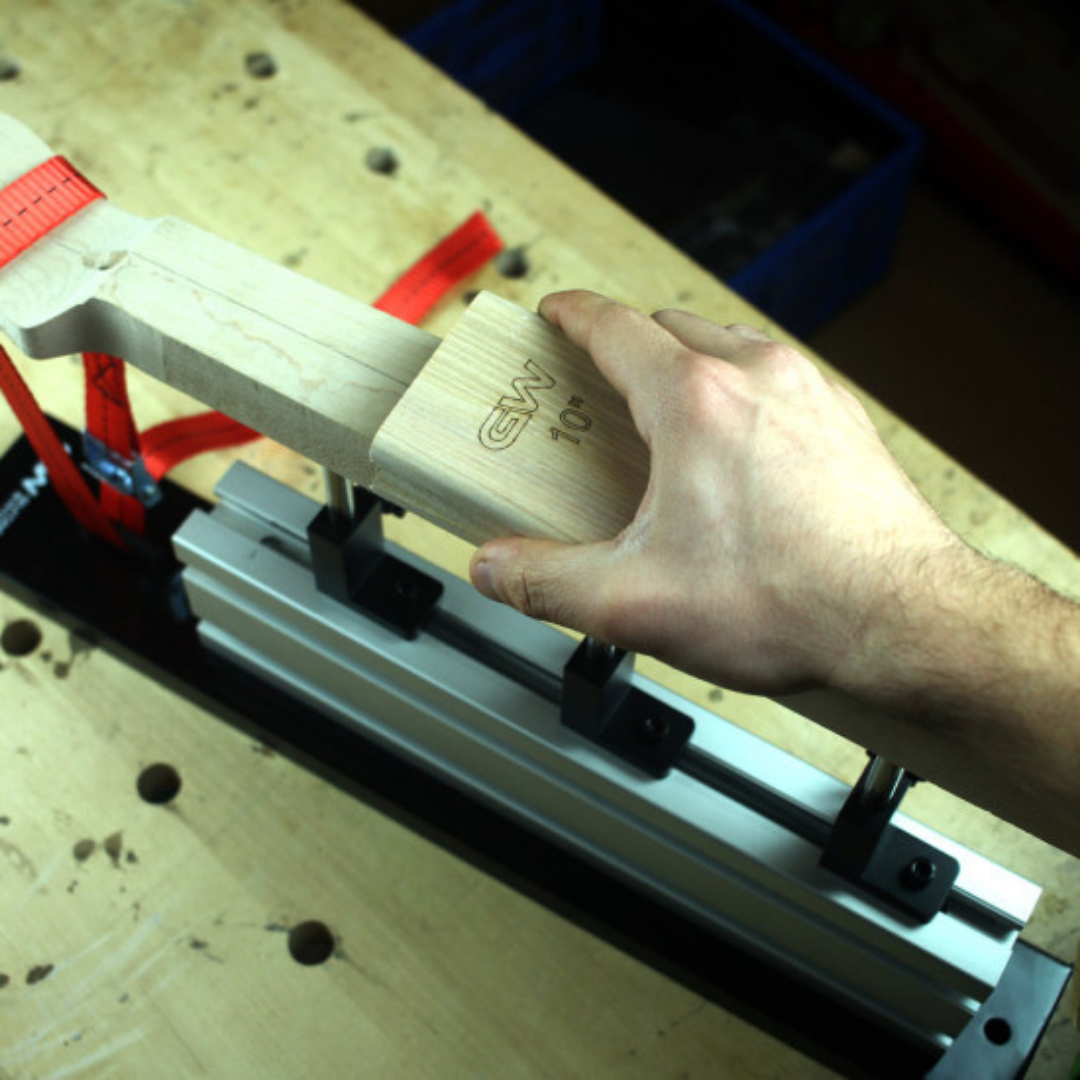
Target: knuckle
x=777 y=354
x=701 y=387
x=607 y=323
x=524 y=592
x=695 y=373
x=786 y=366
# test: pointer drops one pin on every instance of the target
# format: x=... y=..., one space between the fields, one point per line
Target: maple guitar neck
x=502 y=428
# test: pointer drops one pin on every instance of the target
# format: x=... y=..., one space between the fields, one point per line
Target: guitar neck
x=503 y=428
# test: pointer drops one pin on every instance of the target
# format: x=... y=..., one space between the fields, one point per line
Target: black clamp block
x=868 y=850
x=351 y=565
x=600 y=702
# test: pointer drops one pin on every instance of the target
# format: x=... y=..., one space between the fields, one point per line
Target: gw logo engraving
x=507 y=420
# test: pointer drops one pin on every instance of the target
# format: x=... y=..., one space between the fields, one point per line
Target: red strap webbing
x=165 y=445
x=451 y=261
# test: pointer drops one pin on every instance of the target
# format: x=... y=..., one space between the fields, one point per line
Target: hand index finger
x=633 y=352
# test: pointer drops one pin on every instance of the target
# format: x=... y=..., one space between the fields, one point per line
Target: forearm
x=976 y=666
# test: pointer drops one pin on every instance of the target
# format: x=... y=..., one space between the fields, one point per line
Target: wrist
x=977 y=661
x=925 y=629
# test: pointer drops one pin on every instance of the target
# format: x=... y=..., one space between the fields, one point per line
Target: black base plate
x=132 y=604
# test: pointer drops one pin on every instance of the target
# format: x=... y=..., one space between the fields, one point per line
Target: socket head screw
x=918 y=873
x=653 y=729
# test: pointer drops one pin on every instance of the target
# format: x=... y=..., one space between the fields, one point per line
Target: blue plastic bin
x=557 y=68
x=838 y=253
x=510 y=54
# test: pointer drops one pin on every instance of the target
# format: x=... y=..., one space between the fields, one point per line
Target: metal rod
x=882 y=780
x=596 y=649
x=339 y=494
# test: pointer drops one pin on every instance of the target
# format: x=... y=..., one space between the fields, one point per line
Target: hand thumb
x=546 y=579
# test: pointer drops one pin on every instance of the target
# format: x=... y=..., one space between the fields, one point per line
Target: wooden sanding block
x=510 y=427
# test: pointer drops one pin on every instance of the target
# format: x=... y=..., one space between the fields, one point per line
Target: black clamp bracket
x=351 y=564
x=867 y=849
x=600 y=702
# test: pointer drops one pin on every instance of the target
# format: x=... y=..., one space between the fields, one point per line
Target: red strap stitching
x=108 y=409
x=109 y=420
x=36 y=203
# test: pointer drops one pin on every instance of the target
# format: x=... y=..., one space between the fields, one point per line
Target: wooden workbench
x=144 y=939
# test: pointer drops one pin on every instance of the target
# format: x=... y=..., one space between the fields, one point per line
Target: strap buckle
x=127 y=475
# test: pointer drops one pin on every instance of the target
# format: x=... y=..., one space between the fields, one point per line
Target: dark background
x=972 y=336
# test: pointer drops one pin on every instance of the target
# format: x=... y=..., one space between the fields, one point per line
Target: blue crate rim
x=903 y=160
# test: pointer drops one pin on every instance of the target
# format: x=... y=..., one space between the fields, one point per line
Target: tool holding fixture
x=865 y=848
x=600 y=702
x=503 y=427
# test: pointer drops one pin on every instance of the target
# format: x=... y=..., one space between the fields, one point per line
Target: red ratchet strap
x=167 y=445
x=451 y=261
x=111 y=426
x=66 y=479
x=129 y=464
x=39 y=201
x=32 y=206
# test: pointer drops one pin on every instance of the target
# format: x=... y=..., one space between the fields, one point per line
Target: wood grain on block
x=299 y=362
x=511 y=429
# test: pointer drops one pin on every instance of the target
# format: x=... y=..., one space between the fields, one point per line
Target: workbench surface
x=143 y=939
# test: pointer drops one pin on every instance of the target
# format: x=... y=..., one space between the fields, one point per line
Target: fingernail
x=482 y=578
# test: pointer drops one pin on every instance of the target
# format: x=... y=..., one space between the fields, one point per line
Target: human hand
x=779 y=546
x=775 y=526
